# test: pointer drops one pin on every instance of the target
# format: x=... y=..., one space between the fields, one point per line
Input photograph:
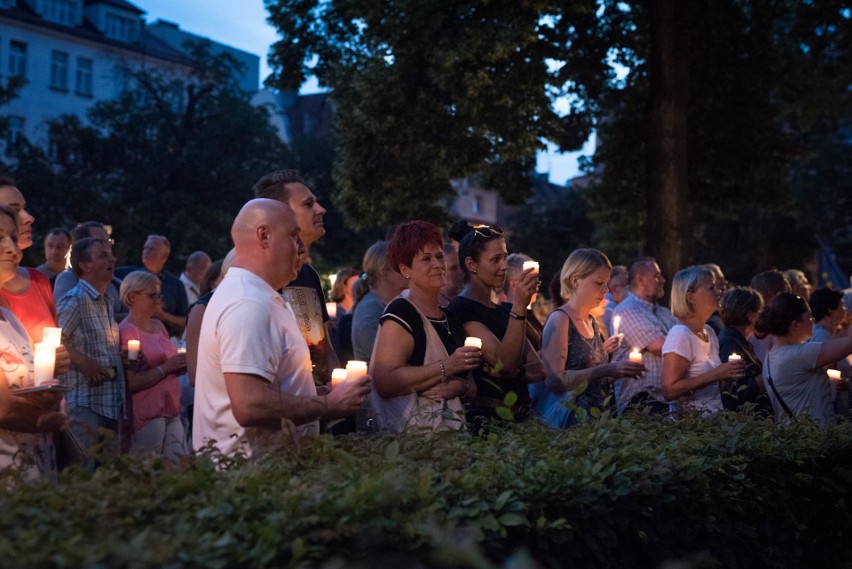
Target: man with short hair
x=57 y=243
x=305 y=292
x=454 y=280
x=644 y=324
x=89 y=332
x=618 y=283
x=196 y=266
x=254 y=370
x=174 y=308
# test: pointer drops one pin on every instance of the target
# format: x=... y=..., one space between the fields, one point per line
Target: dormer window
x=66 y=12
x=121 y=28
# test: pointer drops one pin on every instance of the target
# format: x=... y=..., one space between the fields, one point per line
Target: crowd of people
x=437 y=331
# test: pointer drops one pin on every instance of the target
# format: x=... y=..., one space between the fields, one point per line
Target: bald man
x=254 y=369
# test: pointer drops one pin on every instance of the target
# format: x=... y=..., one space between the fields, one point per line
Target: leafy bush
x=628 y=492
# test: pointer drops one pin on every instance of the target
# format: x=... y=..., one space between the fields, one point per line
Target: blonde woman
x=573 y=351
x=692 y=370
x=157 y=427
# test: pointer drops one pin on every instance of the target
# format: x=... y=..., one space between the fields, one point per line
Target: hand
x=528 y=283
x=62 y=361
x=175 y=364
x=463 y=360
x=731 y=369
x=613 y=342
x=43 y=400
x=133 y=365
x=443 y=391
x=51 y=422
x=93 y=371
x=626 y=369
x=348 y=398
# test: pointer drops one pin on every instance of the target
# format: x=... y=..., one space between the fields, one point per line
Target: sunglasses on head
x=488 y=231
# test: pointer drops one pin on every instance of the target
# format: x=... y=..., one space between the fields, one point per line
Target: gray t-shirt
x=365 y=325
x=803 y=387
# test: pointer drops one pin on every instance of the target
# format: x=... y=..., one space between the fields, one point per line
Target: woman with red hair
x=420 y=367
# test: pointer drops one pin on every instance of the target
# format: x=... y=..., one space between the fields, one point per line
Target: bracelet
x=516 y=317
x=162 y=373
x=466 y=386
x=443 y=372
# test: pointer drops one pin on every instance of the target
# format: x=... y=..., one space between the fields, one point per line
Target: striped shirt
x=88 y=326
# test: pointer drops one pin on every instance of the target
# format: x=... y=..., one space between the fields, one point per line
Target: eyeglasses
x=488 y=231
x=154 y=295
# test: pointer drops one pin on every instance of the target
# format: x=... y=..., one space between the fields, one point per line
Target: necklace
x=442 y=319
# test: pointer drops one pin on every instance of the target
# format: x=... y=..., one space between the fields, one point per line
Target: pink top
x=34 y=307
x=163 y=399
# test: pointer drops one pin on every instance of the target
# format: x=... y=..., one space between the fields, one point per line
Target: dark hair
x=738 y=303
x=409 y=238
x=555 y=290
x=338 y=291
x=13 y=215
x=770 y=284
x=779 y=314
x=823 y=301
x=638 y=267
x=7 y=179
x=274 y=185
x=472 y=241
x=59 y=231
x=85 y=230
x=211 y=274
x=81 y=252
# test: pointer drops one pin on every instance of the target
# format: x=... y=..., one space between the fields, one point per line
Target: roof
x=123 y=4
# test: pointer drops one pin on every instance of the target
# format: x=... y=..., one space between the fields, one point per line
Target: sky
x=242 y=24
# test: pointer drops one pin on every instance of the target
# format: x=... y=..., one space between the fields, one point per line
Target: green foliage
x=628 y=492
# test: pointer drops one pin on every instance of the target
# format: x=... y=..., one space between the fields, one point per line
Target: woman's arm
x=507 y=355
x=675 y=383
x=534 y=368
x=145 y=379
x=834 y=350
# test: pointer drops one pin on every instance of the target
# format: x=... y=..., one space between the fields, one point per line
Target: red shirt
x=34 y=307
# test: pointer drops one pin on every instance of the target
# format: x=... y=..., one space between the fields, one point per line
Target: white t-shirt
x=247 y=328
x=805 y=388
x=703 y=356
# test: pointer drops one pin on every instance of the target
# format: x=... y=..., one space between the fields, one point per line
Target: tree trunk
x=667 y=222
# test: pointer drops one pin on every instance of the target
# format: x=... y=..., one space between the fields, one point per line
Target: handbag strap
x=775 y=391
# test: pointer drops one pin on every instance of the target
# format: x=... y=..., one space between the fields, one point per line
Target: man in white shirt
x=254 y=370
x=196 y=266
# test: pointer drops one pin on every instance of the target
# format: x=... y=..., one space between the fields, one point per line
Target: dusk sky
x=242 y=24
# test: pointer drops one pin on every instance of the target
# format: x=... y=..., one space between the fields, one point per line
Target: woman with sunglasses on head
x=420 y=366
x=510 y=361
x=794 y=369
x=573 y=349
x=154 y=385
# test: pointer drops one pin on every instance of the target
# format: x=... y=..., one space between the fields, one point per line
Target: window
x=61 y=11
x=17 y=59
x=59 y=70
x=475 y=205
x=120 y=28
x=14 y=134
x=83 y=83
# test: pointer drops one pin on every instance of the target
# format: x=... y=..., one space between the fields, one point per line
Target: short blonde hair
x=685 y=281
x=580 y=263
x=134 y=282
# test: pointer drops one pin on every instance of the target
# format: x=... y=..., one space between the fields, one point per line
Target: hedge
x=627 y=492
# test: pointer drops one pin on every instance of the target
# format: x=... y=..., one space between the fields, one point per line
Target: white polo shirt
x=247 y=328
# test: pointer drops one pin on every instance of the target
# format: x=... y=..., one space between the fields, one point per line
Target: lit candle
x=531 y=265
x=473 y=342
x=735 y=357
x=338 y=377
x=834 y=374
x=45 y=357
x=635 y=356
x=355 y=370
x=616 y=324
x=132 y=350
x=181 y=350
x=331 y=308
x=52 y=336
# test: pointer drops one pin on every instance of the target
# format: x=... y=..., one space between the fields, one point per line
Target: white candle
x=616 y=324
x=531 y=265
x=52 y=336
x=45 y=358
x=635 y=356
x=834 y=374
x=473 y=342
x=181 y=350
x=355 y=370
x=338 y=377
x=735 y=357
x=132 y=350
x=331 y=308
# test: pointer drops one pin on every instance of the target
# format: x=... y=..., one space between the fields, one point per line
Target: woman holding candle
x=510 y=361
x=25 y=420
x=740 y=309
x=419 y=365
x=157 y=427
x=829 y=313
x=573 y=350
x=794 y=370
x=692 y=369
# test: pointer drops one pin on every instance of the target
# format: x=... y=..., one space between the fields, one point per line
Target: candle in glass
x=52 y=336
x=338 y=376
x=331 y=308
x=834 y=374
x=355 y=370
x=635 y=356
x=132 y=350
x=45 y=358
x=735 y=357
x=473 y=342
x=531 y=265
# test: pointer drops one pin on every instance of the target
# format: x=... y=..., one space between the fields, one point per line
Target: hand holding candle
x=834 y=374
x=531 y=265
x=635 y=356
x=338 y=377
x=133 y=350
x=355 y=370
x=616 y=324
x=473 y=342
